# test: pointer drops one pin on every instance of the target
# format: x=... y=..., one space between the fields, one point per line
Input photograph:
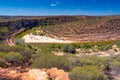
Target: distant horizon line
x=63 y=15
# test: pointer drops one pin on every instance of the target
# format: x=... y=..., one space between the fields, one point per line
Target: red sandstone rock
x=44 y=69
x=29 y=78
x=10 y=74
x=52 y=73
x=37 y=74
x=34 y=74
x=56 y=74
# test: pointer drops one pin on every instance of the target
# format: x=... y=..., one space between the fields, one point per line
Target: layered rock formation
x=14 y=24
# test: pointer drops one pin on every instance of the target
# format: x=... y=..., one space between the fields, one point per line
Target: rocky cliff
x=13 y=24
x=79 y=26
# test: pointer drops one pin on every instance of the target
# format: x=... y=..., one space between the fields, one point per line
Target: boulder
x=56 y=74
x=38 y=74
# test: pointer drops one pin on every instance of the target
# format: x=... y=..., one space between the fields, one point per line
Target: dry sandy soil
x=29 y=38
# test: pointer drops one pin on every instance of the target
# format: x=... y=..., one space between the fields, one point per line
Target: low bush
x=56 y=46
x=49 y=60
x=15 y=55
x=69 y=49
x=87 y=73
x=2 y=55
x=96 y=61
x=86 y=46
x=76 y=45
x=14 y=58
x=41 y=33
x=26 y=54
x=19 y=49
x=104 y=47
x=74 y=62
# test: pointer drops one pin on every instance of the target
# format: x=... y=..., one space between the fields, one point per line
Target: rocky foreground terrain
x=34 y=74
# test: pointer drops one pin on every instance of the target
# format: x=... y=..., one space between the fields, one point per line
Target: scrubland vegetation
x=87 y=73
x=14 y=56
x=83 y=67
x=79 y=67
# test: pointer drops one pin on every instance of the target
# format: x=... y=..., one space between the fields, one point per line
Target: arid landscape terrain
x=60 y=47
x=80 y=28
x=59 y=39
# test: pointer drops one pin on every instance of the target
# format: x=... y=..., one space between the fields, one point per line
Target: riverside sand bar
x=29 y=38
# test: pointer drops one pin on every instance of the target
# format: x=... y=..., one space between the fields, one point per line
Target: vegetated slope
x=72 y=27
x=95 y=29
x=13 y=24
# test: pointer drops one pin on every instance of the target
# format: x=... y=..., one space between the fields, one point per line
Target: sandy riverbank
x=29 y=38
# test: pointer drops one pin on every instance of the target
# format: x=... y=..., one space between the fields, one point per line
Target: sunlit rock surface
x=34 y=74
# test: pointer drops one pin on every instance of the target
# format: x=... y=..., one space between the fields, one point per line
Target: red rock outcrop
x=6 y=74
x=56 y=74
x=34 y=74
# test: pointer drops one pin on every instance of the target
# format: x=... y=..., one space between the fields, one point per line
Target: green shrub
x=85 y=46
x=56 y=46
x=19 y=55
x=104 y=47
x=96 y=61
x=26 y=54
x=117 y=43
x=69 y=49
x=2 y=55
x=2 y=61
x=46 y=60
x=89 y=60
x=14 y=58
x=85 y=61
x=87 y=73
x=19 y=49
x=74 y=62
x=65 y=49
x=76 y=45
x=41 y=33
